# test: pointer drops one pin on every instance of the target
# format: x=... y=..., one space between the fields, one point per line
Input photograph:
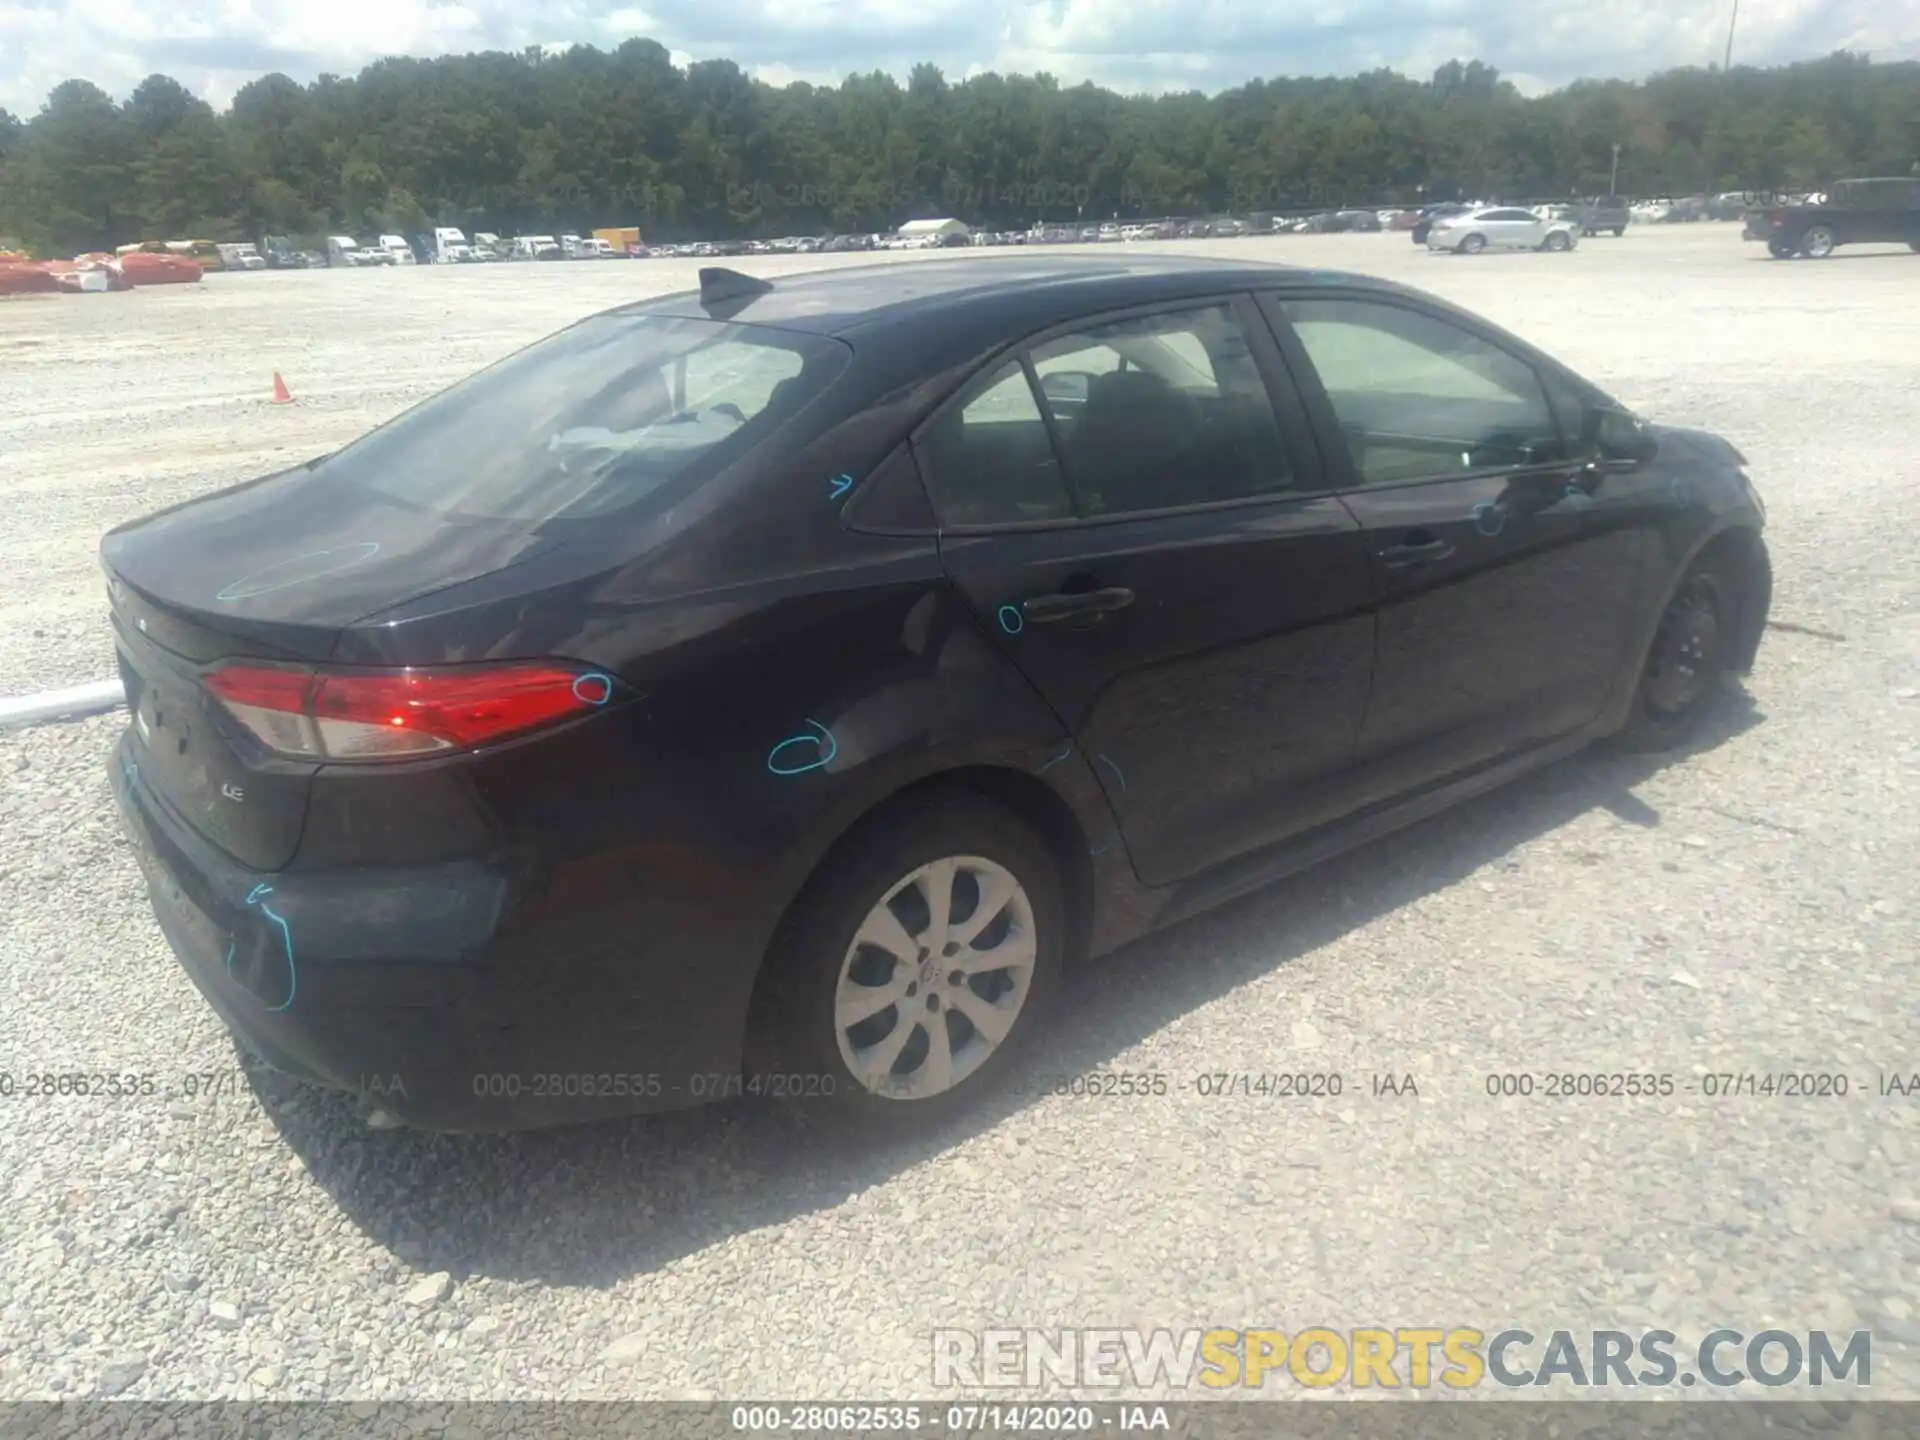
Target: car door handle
x=1043 y=608
x=1423 y=552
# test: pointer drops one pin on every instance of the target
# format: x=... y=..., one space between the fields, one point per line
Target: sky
x=215 y=46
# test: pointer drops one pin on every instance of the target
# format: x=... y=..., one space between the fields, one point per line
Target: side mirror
x=1619 y=436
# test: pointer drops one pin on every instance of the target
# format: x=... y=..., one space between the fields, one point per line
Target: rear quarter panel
x=788 y=676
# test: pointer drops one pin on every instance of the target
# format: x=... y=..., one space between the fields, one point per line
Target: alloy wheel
x=935 y=978
x=1818 y=242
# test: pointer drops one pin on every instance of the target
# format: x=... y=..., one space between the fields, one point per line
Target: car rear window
x=594 y=420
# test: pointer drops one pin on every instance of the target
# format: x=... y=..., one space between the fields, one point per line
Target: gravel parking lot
x=1749 y=906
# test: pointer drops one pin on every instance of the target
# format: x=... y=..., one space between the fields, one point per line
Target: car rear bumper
x=418 y=991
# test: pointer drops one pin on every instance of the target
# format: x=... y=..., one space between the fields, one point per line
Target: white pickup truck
x=345 y=250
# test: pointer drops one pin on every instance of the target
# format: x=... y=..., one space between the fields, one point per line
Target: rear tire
x=1685 y=674
x=1779 y=250
x=1619 y=231
x=832 y=1007
x=1817 y=243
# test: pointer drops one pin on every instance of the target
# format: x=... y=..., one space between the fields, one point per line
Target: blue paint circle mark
x=297 y=571
x=585 y=686
x=1489 y=518
x=1108 y=762
x=1011 y=620
x=824 y=746
x=840 y=484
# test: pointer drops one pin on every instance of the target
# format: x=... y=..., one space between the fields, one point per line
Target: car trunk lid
x=314 y=558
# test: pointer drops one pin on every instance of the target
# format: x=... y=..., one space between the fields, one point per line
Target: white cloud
x=215 y=46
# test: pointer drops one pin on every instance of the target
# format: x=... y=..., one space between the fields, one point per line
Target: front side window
x=594 y=420
x=1416 y=396
x=1160 y=411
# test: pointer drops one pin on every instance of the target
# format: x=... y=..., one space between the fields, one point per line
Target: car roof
x=1024 y=291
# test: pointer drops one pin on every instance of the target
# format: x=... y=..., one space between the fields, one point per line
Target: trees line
x=537 y=141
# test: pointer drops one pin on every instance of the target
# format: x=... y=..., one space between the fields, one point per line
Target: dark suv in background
x=1607 y=212
x=1852 y=212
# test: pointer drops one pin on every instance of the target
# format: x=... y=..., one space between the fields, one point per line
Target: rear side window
x=595 y=420
x=1164 y=410
x=991 y=461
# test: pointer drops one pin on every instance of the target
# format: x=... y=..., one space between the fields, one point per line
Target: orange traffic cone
x=281 y=395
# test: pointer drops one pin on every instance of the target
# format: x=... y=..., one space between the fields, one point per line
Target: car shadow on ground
x=594 y=1204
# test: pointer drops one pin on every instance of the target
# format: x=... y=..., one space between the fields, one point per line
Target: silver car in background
x=1500 y=228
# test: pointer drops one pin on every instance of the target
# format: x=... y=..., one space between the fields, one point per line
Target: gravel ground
x=1747 y=907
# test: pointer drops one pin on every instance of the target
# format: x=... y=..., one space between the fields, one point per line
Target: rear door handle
x=1423 y=552
x=1043 y=608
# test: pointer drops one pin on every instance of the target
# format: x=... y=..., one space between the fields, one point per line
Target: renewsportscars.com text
x=1458 y=1358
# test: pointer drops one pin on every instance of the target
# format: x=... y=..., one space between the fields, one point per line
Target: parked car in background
x=242 y=256
x=1852 y=212
x=396 y=249
x=443 y=760
x=203 y=253
x=280 y=254
x=344 y=250
x=537 y=247
x=1605 y=213
x=1444 y=211
x=1500 y=228
x=1357 y=221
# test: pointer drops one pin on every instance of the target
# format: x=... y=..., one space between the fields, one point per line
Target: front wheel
x=1686 y=666
x=1473 y=244
x=1556 y=242
x=918 y=964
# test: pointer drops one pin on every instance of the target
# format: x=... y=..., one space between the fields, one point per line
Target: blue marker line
x=1112 y=840
x=590 y=680
x=293 y=975
x=840 y=485
x=1055 y=760
x=1011 y=620
x=286 y=940
x=824 y=737
x=1104 y=760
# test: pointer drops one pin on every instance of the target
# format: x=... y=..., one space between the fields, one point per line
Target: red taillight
x=1776 y=217
x=400 y=714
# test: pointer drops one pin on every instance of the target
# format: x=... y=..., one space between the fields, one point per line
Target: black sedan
x=767 y=690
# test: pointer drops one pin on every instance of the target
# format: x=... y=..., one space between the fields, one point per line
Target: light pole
x=1728 y=64
x=1613 y=180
